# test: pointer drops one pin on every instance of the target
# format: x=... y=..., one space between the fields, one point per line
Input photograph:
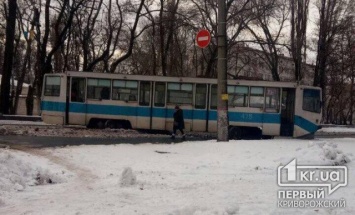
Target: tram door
x=76 y=101
x=144 y=112
x=199 y=116
x=287 y=111
x=159 y=111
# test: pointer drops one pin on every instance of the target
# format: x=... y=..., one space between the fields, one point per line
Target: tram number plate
x=247 y=116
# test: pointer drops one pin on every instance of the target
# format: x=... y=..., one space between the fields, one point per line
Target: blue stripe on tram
x=305 y=124
x=272 y=118
x=53 y=106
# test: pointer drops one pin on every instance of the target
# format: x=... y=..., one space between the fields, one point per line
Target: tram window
x=179 y=93
x=272 y=99
x=159 y=95
x=213 y=97
x=311 y=100
x=257 y=97
x=238 y=96
x=144 y=94
x=52 y=86
x=200 y=97
x=124 y=90
x=77 y=90
x=99 y=88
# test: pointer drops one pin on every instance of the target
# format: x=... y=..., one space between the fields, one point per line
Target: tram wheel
x=100 y=124
x=110 y=124
x=235 y=133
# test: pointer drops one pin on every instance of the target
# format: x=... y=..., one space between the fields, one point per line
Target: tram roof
x=177 y=79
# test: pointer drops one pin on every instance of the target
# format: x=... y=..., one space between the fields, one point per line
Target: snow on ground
x=338 y=129
x=19 y=171
x=18 y=122
x=191 y=178
x=67 y=131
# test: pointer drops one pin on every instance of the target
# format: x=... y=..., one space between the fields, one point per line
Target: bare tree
x=271 y=16
x=299 y=18
x=99 y=31
x=3 y=14
x=331 y=22
x=132 y=38
x=339 y=96
x=147 y=46
x=26 y=25
x=64 y=13
x=351 y=52
x=239 y=16
x=166 y=30
x=168 y=40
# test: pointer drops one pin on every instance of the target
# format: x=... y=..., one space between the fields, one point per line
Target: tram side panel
x=111 y=110
x=255 y=108
x=199 y=120
x=53 y=102
x=271 y=116
x=307 y=111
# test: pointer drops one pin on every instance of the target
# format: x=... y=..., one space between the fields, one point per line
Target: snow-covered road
x=203 y=177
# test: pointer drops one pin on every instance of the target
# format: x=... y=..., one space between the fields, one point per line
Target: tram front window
x=311 y=100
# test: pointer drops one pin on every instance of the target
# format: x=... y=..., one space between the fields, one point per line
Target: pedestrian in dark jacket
x=179 y=123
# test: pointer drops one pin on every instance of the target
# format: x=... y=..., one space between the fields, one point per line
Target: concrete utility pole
x=222 y=106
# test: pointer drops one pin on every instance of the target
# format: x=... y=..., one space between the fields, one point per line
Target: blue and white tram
x=147 y=102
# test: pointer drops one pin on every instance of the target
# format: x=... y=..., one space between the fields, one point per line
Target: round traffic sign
x=203 y=38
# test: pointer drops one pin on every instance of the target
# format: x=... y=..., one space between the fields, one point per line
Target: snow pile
x=128 y=178
x=19 y=170
x=322 y=153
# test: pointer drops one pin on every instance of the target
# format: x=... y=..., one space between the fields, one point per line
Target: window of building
x=52 y=86
x=179 y=93
x=159 y=94
x=257 y=97
x=125 y=90
x=213 y=97
x=238 y=96
x=99 y=88
x=272 y=99
x=200 y=97
x=311 y=100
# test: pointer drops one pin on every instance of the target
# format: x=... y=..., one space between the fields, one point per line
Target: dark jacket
x=179 y=119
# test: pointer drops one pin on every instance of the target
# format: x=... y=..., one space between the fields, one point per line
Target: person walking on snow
x=179 y=123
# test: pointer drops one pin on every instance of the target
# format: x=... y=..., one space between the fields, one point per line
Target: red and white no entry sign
x=203 y=38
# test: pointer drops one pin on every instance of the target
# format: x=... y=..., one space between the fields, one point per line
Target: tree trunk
x=8 y=57
x=29 y=101
x=351 y=97
x=21 y=79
